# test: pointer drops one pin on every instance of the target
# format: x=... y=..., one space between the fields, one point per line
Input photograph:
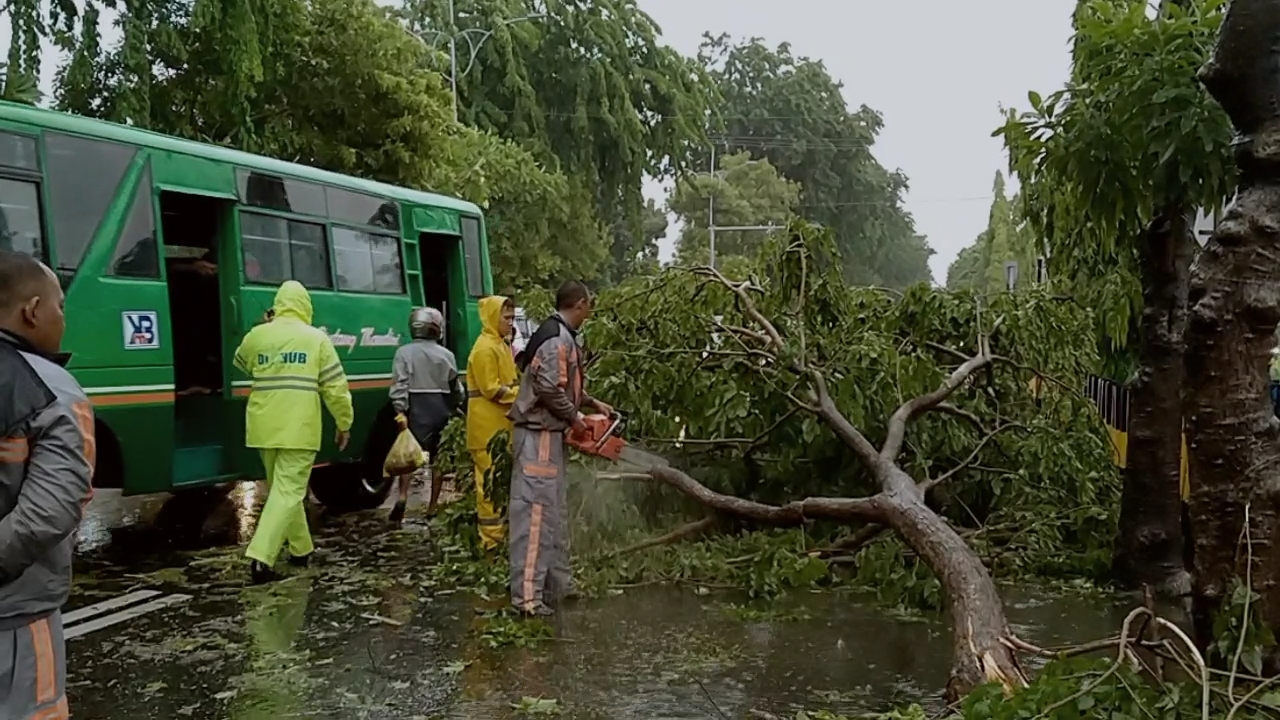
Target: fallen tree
x=781 y=335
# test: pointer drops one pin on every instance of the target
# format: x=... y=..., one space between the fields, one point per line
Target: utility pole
x=453 y=59
x=711 y=208
x=475 y=38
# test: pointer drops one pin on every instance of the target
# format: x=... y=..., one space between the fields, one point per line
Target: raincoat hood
x=491 y=314
x=293 y=301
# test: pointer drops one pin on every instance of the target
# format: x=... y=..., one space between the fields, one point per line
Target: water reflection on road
x=366 y=634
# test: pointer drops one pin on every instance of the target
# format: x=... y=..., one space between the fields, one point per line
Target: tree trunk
x=982 y=650
x=1149 y=548
x=1235 y=304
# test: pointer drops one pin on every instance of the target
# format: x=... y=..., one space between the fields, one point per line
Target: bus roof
x=76 y=124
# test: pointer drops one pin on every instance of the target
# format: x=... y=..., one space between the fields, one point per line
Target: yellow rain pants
x=492 y=382
x=284 y=516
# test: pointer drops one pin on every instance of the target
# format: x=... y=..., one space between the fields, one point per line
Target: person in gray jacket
x=547 y=405
x=425 y=393
x=46 y=468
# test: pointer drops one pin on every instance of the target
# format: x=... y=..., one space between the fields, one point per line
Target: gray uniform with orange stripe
x=550 y=394
x=46 y=468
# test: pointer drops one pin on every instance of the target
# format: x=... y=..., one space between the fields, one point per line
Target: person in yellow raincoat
x=293 y=366
x=492 y=382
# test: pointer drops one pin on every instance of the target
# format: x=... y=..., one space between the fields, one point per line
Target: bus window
x=20 y=218
x=276 y=250
x=471 y=251
x=18 y=151
x=83 y=177
x=280 y=193
x=136 y=253
x=360 y=209
x=367 y=262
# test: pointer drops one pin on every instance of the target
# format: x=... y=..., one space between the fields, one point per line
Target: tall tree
x=1112 y=169
x=587 y=86
x=741 y=193
x=338 y=85
x=790 y=110
x=1235 y=307
x=967 y=271
x=1008 y=238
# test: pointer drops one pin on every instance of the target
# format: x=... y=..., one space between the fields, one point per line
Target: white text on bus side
x=368 y=338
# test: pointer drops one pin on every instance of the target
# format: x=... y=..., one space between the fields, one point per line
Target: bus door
x=442 y=286
x=194 y=228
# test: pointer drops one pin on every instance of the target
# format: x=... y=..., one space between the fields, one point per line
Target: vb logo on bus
x=141 y=330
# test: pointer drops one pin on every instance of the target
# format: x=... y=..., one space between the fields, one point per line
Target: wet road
x=367 y=633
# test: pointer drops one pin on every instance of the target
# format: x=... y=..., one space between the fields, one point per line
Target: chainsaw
x=601 y=436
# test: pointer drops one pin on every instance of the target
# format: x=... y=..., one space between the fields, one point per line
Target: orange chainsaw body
x=599 y=437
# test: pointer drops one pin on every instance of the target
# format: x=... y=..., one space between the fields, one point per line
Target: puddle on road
x=364 y=635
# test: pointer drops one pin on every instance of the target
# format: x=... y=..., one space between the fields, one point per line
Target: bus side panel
x=177 y=171
x=139 y=420
x=118 y=336
x=366 y=330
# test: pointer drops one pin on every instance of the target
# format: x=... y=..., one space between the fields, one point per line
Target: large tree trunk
x=1149 y=548
x=982 y=649
x=1235 y=304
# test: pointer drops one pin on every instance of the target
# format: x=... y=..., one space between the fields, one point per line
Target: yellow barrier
x=1112 y=402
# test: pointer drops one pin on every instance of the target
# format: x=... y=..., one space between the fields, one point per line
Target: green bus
x=170 y=250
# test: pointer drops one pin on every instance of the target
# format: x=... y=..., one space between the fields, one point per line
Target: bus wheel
x=351 y=487
x=345 y=488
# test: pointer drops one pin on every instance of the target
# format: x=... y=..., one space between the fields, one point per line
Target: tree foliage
x=341 y=86
x=745 y=192
x=1008 y=238
x=791 y=111
x=588 y=88
x=659 y=353
x=1132 y=132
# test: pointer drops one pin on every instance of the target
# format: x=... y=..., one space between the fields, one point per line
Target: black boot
x=300 y=561
x=260 y=573
x=397 y=513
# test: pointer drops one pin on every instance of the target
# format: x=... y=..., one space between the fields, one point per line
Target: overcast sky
x=937 y=70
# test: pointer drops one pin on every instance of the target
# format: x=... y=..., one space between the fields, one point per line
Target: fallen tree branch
x=683 y=532
x=931 y=483
x=961 y=413
x=851 y=544
x=790 y=515
x=912 y=408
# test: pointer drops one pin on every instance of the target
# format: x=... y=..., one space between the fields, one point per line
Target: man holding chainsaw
x=546 y=407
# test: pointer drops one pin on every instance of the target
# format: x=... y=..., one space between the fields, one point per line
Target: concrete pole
x=453 y=59
x=711 y=208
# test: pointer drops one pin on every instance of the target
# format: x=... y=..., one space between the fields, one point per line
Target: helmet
x=426 y=323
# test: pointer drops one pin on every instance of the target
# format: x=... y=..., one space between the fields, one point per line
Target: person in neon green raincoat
x=293 y=366
x=492 y=382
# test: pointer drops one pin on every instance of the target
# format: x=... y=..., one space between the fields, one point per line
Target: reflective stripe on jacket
x=551 y=388
x=293 y=366
x=492 y=380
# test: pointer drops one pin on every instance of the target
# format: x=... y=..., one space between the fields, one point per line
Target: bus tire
x=108 y=466
x=356 y=486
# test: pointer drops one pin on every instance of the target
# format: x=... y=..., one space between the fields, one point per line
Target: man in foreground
x=293 y=365
x=547 y=405
x=425 y=394
x=46 y=467
x=492 y=381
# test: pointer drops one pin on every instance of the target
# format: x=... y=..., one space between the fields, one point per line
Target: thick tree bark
x=1233 y=436
x=982 y=645
x=1149 y=547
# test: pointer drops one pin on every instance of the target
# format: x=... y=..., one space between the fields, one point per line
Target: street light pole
x=453 y=59
x=473 y=45
x=711 y=210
